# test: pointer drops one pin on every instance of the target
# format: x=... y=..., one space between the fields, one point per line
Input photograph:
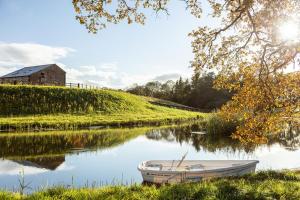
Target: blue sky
x=38 y=32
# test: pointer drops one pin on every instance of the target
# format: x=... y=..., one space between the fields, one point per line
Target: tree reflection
x=48 y=150
x=290 y=139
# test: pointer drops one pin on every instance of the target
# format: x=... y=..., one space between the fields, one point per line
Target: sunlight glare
x=289 y=31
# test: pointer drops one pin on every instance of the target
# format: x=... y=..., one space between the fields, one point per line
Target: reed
x=217 y=125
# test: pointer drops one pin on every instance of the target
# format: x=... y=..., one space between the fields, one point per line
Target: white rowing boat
x=198 y=132
x=176 y=171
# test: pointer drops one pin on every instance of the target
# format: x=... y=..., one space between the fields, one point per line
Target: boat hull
x=161 y=176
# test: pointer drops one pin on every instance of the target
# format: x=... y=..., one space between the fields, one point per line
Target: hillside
x=41 y=107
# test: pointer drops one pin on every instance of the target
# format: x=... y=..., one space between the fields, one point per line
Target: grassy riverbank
x=36 y=107
x=160 y=116
x=261 y=185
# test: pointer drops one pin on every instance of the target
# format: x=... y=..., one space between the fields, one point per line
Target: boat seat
x=195 y=167
x=155 y=167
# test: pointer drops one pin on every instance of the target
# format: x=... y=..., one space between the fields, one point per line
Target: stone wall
x=52 y=75
x=15 y=80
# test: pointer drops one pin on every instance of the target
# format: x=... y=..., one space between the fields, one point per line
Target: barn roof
x=26 y=71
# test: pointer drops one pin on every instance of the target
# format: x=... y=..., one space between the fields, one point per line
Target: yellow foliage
x=246 y=50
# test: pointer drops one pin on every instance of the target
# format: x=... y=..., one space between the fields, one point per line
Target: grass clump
x=217 y=125
x=261 y=185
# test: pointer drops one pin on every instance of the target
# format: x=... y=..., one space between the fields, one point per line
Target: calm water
x=111 y=156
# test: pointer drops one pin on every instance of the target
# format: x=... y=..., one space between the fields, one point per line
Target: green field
x=40 y=107
x=262 y=185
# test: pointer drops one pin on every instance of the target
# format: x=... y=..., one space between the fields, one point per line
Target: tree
x=198 y=93
x=251 y=48
x=152 y=88
x=167 y=89
x=136 y=89
x=204 y=95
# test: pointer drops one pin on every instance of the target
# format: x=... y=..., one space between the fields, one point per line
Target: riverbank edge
x=259 y=185
x=94 y=121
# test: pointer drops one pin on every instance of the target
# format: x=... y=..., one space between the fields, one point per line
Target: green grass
x=159 y=116
x=37 y=107
x=262 y=185
x=216 y=125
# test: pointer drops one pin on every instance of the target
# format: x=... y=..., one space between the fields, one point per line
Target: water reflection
x=8 y=167
x=55 y=157
x=48 y=150
x=290 y=138
x=212 y=143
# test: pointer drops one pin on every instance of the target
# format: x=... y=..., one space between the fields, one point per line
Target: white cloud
x=8 y=167
x=13 y=56
x=65 y=167
x=109 y=75
x=166 y=77
x=16 y=55
x=103 y=75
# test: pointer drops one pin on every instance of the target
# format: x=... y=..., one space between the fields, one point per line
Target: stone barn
x=50 y=74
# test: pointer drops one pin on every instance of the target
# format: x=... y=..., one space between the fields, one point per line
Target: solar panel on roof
x=26 y=71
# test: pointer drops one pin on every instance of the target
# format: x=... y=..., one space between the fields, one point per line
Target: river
x=111 y=156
